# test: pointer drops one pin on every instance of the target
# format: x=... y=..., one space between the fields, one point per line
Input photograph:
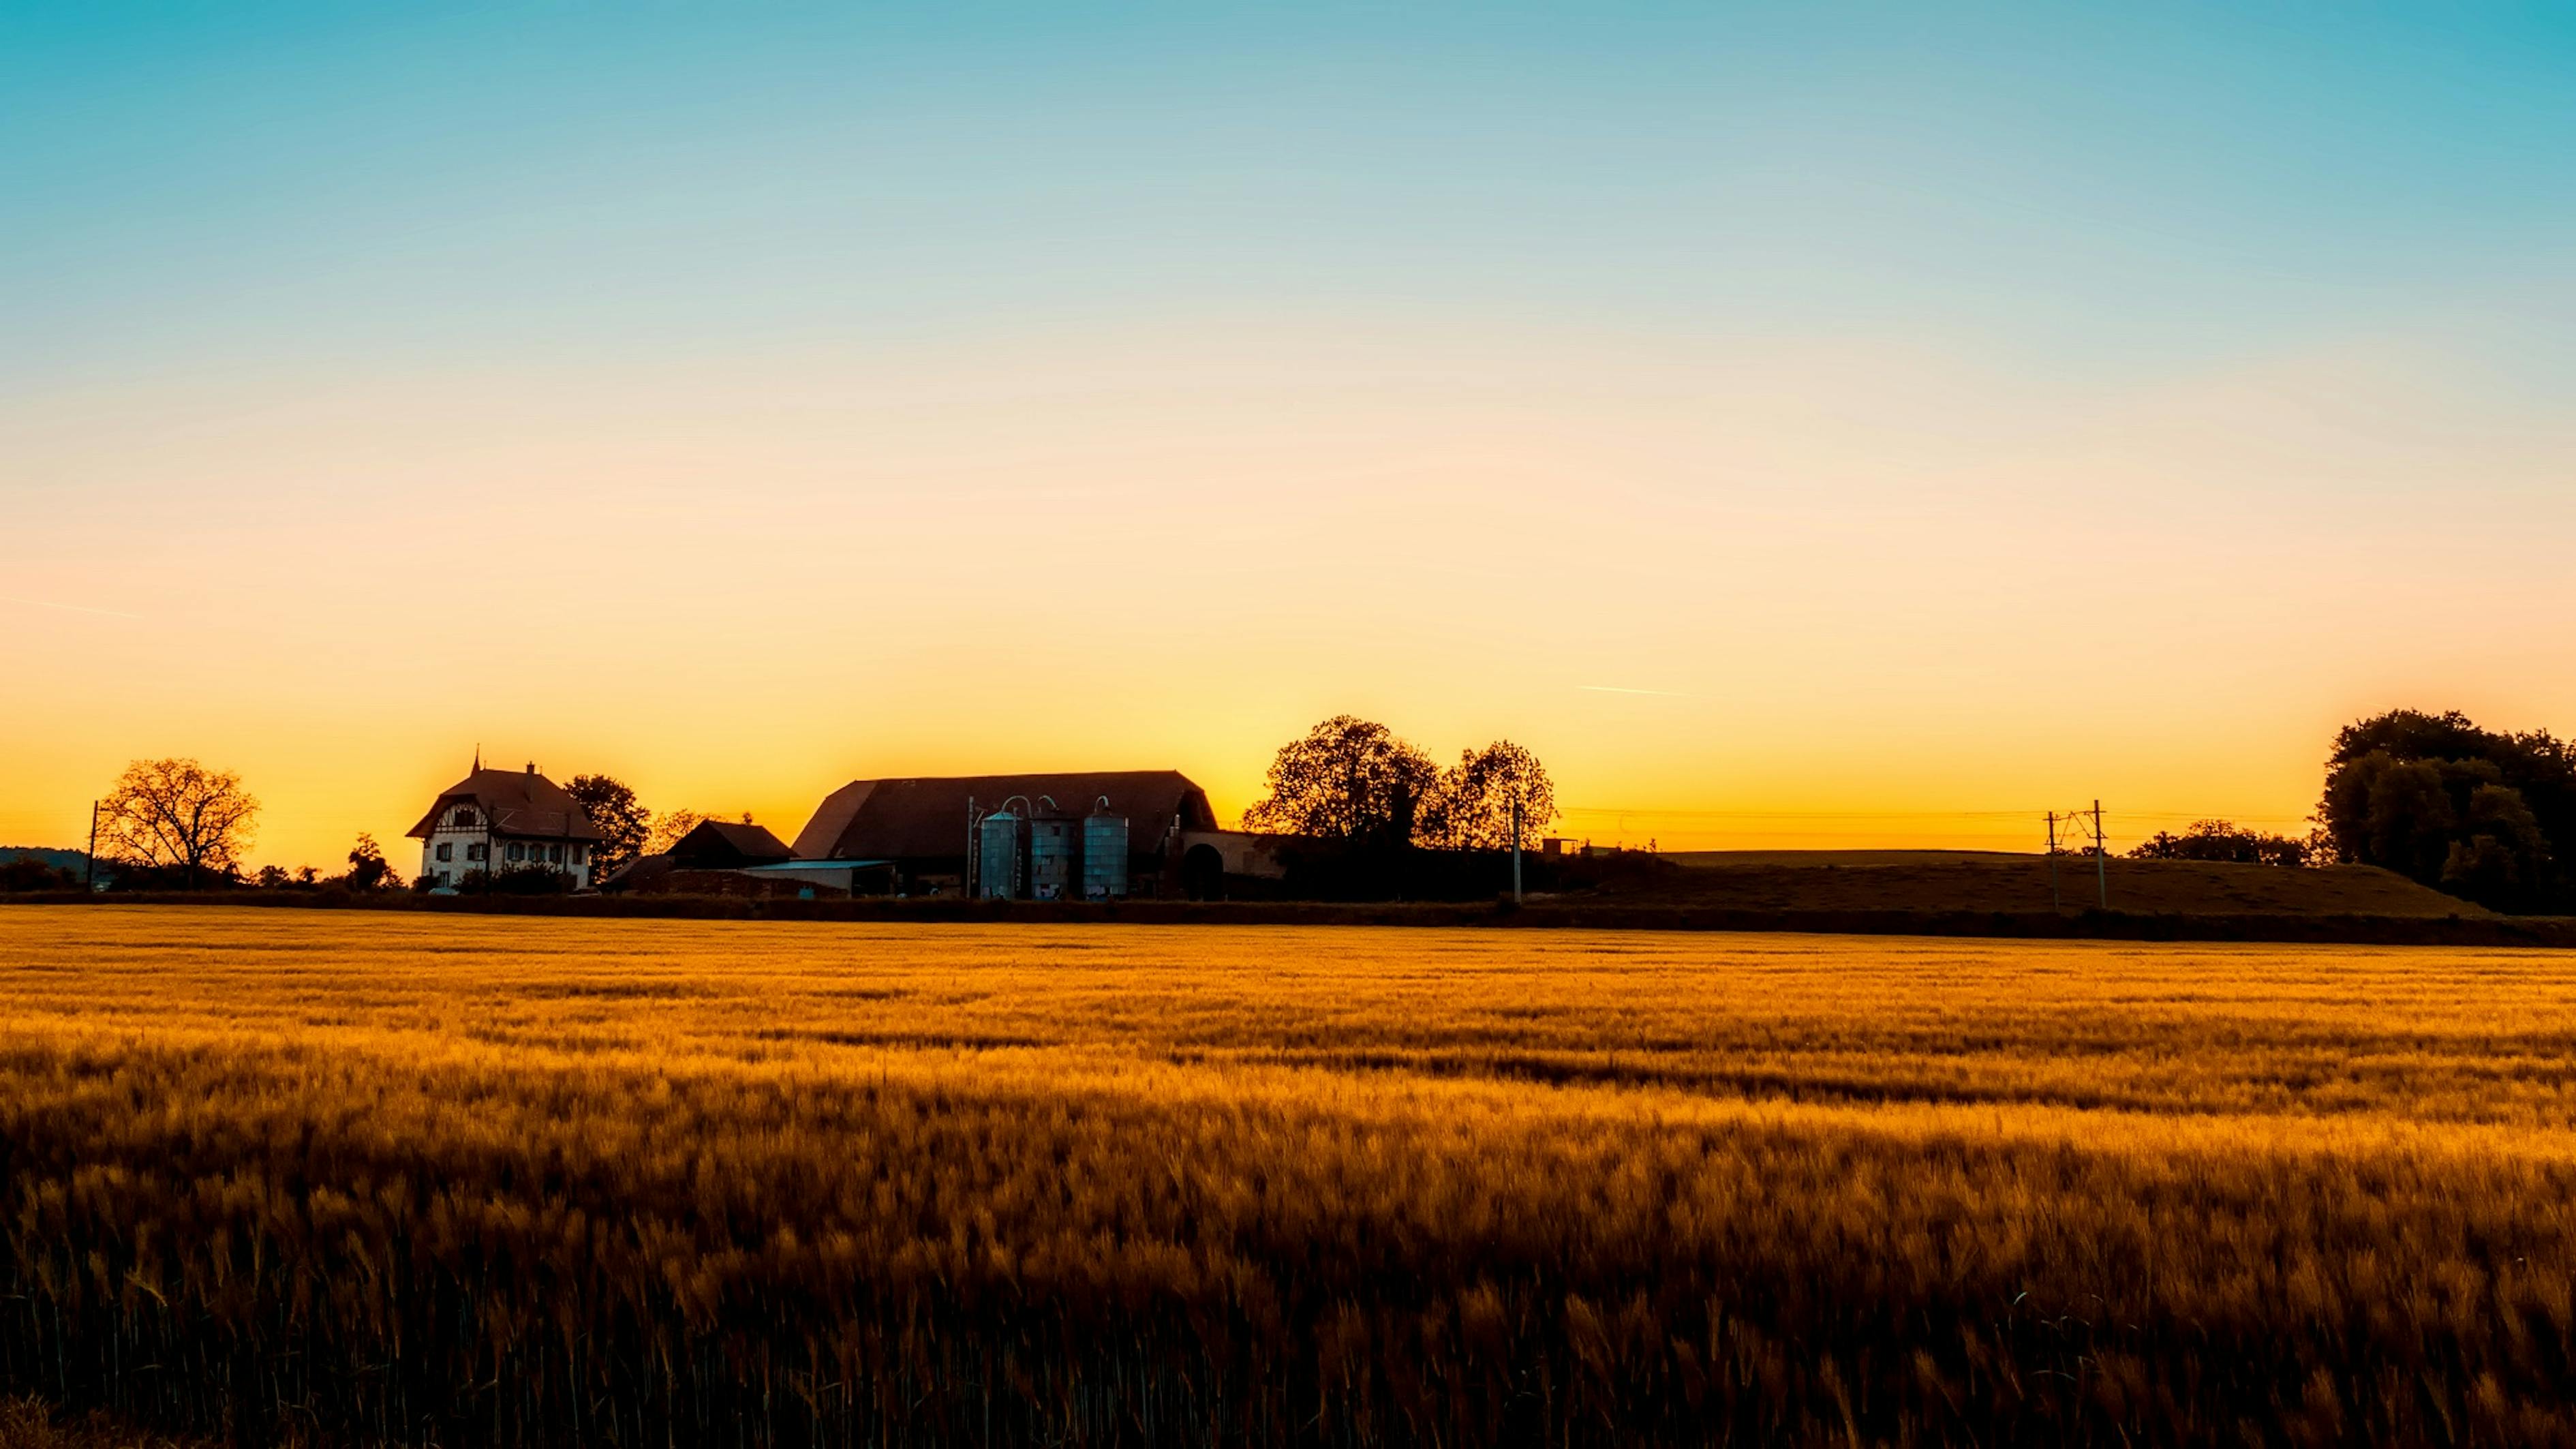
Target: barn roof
x=519 y=802
x=729 y=840
x=893 y=819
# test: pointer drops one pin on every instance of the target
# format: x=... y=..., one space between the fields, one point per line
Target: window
x=554 y=853
x=475 y=851
x=517 y=852
x=442 y=878
x=576 y=855
x=466 y=819
x=445 y=852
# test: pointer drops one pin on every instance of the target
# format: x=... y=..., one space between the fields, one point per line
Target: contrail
x=1622 y=689
x=74 y=608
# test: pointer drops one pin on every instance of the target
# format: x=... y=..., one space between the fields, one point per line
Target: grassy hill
x=1977 y=881
x=1841 y=857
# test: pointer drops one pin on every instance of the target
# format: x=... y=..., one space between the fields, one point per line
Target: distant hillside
x=59 y=859
x=1844 y=857
x=1966 y=881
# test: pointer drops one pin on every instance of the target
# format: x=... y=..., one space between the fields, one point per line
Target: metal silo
x=997 y=855
x=1104 y=854
x=1055 y=846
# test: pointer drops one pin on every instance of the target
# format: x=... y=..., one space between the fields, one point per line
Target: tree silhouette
x=2485 y=815
x=624 y=824
x=2223 y=840
x=178 y=814
x=368 y=868
x=1472 y=808
x=669 y=826
x=1350 y=780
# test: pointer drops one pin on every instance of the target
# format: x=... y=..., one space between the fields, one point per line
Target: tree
x=26 y=873
x=2222 y=840
x=180 y=815
x=669 y=826
x=2500 y=857
x=2489 y=816
x=1472 y=807
x=624 y=824
x=368 y=868
x=1350 y=780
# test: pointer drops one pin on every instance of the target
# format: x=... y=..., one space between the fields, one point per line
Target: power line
x=2020 y=814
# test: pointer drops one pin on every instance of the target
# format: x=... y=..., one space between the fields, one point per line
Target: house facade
x=499 y=820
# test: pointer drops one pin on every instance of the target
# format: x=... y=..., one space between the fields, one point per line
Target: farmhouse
x=493 y=820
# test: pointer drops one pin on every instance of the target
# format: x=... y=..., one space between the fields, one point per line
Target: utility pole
x=1516 y=850
x=974 y=847
x=89 y=862
x=2054 y=904
x=2101 y=855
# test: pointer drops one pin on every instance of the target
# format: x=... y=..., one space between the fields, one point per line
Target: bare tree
x=178 y=814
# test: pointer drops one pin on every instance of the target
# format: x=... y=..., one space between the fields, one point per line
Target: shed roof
x=519 y=802
x=729 y=841
x=914 y=818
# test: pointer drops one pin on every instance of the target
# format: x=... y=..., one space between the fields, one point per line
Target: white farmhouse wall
x=462 y=841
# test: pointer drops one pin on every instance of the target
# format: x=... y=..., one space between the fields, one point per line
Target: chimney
x=532 y=767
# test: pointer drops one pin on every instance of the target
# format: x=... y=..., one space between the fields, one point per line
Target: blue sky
x=222 y=184
x=1959 y=408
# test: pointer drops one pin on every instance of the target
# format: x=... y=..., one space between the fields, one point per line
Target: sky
x=1801 y=425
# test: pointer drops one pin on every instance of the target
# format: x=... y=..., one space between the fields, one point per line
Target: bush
x=132 y=877
x=517 y=880
x=2220 y=840
x=24 y=875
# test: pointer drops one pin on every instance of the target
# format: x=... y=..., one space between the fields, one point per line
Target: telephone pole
x=1516 y=850
x=2054 y=904
x=89 y=862
x=2101 y=855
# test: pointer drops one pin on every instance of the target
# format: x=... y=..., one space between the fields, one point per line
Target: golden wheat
x=398 y=1177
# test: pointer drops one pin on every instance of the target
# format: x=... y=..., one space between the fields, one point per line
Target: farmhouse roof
x=519 y=802
x=895 y=819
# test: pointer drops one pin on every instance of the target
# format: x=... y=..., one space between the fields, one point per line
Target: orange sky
x=1798 y=427
x=1775 y=592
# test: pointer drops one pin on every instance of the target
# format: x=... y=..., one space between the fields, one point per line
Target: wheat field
x=399 y=1178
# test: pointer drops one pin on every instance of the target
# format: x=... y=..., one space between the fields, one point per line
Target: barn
x=994 y=834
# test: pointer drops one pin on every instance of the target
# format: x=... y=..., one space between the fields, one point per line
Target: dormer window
x=466 y=819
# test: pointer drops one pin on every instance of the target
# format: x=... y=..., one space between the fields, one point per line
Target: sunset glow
x=1798 y=429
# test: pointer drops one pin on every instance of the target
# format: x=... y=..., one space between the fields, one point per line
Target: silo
x=1104 y=854
x=997 y=855
x=1055 y=846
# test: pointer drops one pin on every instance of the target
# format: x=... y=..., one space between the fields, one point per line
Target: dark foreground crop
x=576 y=1182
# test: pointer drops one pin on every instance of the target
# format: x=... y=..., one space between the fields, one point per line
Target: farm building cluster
x=1083 y=836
